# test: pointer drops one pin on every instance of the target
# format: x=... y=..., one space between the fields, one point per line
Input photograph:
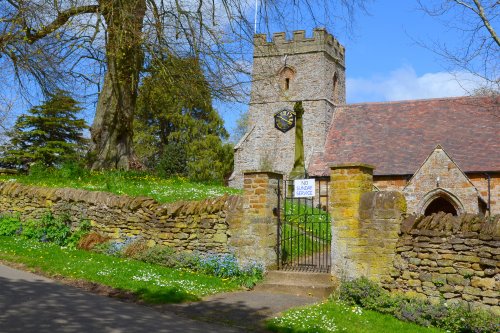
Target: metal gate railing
x=304 y=229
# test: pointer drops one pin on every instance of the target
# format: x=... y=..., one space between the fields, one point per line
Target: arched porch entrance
x=440 y=200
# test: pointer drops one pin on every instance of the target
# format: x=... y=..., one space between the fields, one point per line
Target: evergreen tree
x=49 y=134
x=177 y=131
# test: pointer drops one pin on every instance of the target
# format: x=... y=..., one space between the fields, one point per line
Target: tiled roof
x=396 y=137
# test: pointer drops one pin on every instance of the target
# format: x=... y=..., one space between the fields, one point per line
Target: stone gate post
x=347 y=183
x=255 y=238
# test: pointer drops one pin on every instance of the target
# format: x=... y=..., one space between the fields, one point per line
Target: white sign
x=303 y=188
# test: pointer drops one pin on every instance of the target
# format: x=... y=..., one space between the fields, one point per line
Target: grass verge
x=333 y=316
x=305 y=230
x=131 y=183
x=150 y=283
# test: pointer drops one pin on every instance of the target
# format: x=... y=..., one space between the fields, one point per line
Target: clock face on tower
x=284 y=120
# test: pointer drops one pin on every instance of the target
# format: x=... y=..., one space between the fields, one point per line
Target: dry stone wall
x=451 y=258
x=201 y=225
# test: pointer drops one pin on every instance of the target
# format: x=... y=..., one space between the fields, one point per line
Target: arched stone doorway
x=440 y=204
x=440 y=200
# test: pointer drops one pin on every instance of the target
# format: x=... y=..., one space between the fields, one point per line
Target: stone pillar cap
x=351 y=165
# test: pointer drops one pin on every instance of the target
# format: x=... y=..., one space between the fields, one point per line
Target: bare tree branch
x=479 y=46
x=480 y=12
x=62 y=18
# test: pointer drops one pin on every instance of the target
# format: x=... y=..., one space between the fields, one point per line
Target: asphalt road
x=30 y=303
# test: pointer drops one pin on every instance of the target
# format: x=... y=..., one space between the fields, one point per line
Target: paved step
x=318 y=285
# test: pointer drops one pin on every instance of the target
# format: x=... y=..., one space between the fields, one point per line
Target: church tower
x=310 y=70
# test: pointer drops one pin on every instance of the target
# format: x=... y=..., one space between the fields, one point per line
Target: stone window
x=440 y=204
x=286 y=77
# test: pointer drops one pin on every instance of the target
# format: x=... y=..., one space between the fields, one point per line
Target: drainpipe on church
x=488 y=208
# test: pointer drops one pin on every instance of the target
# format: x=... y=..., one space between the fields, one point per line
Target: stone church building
x=443 y=154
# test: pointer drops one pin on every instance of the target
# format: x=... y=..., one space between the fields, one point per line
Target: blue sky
x=384 y=60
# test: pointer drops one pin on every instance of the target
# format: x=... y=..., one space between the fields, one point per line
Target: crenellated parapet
x=280 y=45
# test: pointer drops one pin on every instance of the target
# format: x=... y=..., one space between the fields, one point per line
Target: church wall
x=390 y=183
x=479 y=180
x=439 y=176
x=481 y=183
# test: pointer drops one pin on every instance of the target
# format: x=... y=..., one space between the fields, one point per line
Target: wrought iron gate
x=304 y=229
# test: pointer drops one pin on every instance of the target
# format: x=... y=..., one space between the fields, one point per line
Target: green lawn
x=151 y=283
x=336 y=317
x=130 y=183
x=296 y=244
x=305 y=230
x=310 y=219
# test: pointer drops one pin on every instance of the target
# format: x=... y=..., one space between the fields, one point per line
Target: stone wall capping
x=257 y=171
x=469 y=225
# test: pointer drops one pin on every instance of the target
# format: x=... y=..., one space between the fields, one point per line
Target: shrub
x=173 y=161
x=361 y=292
x=77 y=234
x=115 y=247
x=160 y=255
x=221 y=265
x=453 y=318
x=9 y=225
x=103 y=248
x=90 y=240
x=72 y=170
x=186 y=259
x=419 y=311
x=227 y=266
x=168 y=257
x=48 y=229
x=55 y=230
x=134 y=248
x=251 y=273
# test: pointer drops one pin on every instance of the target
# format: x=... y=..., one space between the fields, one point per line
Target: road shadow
x=41 y=306
x=244 y=310
x=236 y=314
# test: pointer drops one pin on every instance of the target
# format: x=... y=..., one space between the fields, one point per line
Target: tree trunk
x=112 y=131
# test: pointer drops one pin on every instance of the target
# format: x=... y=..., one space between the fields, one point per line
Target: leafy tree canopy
x=49 y=134
x=177 y=131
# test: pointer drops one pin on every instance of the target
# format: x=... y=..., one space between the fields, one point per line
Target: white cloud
x=403 y=83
